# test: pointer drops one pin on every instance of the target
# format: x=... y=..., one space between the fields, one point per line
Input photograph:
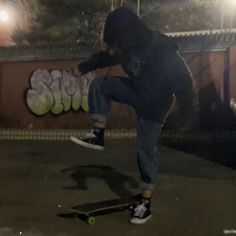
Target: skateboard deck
x=89 y=211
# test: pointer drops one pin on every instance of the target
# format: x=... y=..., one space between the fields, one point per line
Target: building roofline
x=189 y=42
x=200 y=32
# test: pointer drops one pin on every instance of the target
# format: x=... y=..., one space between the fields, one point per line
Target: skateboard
x=88 y=212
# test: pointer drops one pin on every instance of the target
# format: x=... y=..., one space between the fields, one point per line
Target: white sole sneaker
x=85 y=144
x=138 y=221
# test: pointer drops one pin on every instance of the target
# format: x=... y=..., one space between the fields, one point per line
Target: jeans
x=102 y=91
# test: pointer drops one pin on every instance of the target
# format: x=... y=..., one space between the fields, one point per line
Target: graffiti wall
x=57 y=91
x=45 y=95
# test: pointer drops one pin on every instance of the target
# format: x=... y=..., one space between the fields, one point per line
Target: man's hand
x=97 y=60
x=75 y=70
x=80 y=69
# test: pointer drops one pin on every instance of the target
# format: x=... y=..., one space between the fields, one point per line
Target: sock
x=99 y=132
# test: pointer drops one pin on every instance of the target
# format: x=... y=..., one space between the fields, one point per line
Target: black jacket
x=151 y=60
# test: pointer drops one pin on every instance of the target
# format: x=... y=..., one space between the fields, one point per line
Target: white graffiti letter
x=76 y=98
x=56 y=91
x=68 y=86
x=39 y=98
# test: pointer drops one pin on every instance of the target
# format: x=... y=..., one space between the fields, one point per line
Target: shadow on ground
x=117 y=182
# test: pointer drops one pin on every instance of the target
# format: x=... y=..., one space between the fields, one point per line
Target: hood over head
x=124 y=29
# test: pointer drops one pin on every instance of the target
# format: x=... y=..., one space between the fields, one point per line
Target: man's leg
x=147 y=157
x=102 y=91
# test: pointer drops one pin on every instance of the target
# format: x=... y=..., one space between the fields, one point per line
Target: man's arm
x=98 y=60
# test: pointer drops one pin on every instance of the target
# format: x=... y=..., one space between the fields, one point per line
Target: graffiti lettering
x=57 y=91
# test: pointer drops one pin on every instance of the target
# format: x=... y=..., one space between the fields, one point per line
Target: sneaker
x=141 y=212
x=90 y=140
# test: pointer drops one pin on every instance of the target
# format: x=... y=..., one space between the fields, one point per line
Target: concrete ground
x=193 y=196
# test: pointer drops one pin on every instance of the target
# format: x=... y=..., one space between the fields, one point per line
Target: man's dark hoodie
x=151 y=60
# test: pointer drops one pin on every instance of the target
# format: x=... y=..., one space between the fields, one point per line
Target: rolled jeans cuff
x=147 y=186
x=98 y=118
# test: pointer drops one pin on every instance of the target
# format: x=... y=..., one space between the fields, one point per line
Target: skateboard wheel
x=131 y=207
x=91 y=220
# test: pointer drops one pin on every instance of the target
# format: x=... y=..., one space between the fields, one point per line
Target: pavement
x=193 y=196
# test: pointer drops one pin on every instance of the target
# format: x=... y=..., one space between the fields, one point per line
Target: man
x=156 y=72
